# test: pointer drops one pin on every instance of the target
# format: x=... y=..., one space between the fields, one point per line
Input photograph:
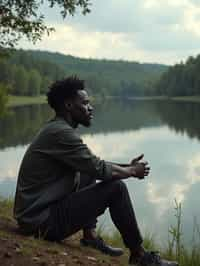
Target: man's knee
x=119 y=186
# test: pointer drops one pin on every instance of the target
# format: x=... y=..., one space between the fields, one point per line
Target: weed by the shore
x=175 y=250
x=6 y=206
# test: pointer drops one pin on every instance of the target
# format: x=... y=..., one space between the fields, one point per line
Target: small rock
x=18 y=250
x=62 y=264
x=36 y=258
x=91 y=258
x=64 y=253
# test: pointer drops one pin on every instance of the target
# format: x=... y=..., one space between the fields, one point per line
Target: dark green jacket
x=48 y=171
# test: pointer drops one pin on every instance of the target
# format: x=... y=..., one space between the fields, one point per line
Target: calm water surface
x=168 y=133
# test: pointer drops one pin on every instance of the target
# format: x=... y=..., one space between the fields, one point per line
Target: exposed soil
x=18 y=250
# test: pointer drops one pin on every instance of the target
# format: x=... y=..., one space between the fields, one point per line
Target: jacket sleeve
x=69 y=148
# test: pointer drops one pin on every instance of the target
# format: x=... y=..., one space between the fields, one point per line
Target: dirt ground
x=18 y=250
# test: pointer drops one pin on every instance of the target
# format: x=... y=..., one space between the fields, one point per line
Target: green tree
x=24 y=18
x=181 y=79
x=20 y=81
x=46 y=81
x=5 y=71
x=3 y=98
x=35 y=82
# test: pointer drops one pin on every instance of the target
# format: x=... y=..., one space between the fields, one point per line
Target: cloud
x=145 y=31
x=9 y=171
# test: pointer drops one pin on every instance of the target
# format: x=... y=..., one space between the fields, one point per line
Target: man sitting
x=57 y=194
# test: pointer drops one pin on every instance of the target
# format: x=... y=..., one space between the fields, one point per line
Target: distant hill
x=32 y=71
x=113 y=74
x=72 y=63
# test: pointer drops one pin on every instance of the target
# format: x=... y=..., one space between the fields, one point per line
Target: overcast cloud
x=163 y=31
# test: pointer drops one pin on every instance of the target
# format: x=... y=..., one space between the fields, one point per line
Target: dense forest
x=31 y=72
x=181 y=79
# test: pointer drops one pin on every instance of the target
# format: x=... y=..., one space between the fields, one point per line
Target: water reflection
x=181 y=117
x=20 y=125
x=166 y=132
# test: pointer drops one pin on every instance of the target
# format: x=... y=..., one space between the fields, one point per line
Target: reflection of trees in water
x=19 y=127
x=181 y=117
x=123 y=115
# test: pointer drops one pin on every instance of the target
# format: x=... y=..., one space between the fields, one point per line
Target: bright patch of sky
x=162 y=31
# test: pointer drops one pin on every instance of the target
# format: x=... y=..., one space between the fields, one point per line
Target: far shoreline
x=15 y=101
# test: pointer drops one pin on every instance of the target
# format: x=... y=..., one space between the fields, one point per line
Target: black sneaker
x=99 y=244
x=151 y=259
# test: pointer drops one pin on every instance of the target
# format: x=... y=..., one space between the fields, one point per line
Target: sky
x=152 y=31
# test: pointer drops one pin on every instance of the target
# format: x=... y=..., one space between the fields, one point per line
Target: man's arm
x=136 y=168
x=70 y=149
x=135 y=160
x=139 y=170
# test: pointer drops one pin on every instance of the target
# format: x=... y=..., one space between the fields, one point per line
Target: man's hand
x=141 y=168
x=136 y=168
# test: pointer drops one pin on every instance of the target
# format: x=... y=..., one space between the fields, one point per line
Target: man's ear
x=68 y=105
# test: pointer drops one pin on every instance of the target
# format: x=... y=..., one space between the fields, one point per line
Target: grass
x=6 y=206
x=174 y=250
x=25 y=100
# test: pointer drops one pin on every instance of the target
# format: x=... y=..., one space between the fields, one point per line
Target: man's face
x=81 y=109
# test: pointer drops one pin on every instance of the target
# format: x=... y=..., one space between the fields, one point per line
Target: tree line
x=181 y=79
x=109 y=77
x=27 y=76
x=31 y=72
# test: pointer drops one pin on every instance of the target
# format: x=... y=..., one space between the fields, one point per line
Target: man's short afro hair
x=62 y=90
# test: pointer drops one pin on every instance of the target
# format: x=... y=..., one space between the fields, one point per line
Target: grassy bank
x=25 y=100
x=28 y=100
x=187 y=98
x=19 y=250
x=28 y=246
x=162 y=98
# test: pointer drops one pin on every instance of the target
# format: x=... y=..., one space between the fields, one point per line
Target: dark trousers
x=81 y=208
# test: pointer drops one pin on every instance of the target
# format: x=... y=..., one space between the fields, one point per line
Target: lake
x=167 y=132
